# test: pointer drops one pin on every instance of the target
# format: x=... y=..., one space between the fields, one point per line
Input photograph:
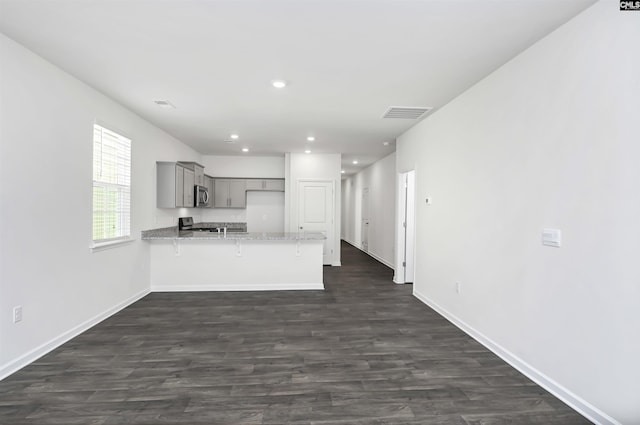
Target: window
x=111 y=185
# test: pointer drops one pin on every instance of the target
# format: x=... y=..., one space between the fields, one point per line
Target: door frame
x=405 y=228
x=296 y=215
x=364 y=236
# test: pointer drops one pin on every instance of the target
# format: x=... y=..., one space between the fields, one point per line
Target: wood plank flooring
x=364 y=351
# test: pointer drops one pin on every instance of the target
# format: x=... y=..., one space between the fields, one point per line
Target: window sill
x=101 y=246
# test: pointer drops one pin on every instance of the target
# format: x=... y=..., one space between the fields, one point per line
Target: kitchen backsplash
x=221 y=214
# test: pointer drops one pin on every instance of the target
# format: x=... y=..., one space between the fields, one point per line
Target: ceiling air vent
x=406 y=112
x=164 y=104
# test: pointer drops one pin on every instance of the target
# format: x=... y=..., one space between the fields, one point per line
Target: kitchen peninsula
x=203 y=260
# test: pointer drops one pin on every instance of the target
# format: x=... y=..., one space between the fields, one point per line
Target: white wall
x=46 y=147
x=244 y=166
x=548 y=140
x=380 y=179
x=313 y=167
x=265 y=211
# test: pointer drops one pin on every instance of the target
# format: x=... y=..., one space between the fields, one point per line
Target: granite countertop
x=172 y=233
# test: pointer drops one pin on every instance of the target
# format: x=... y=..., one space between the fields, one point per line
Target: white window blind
x=111 y=185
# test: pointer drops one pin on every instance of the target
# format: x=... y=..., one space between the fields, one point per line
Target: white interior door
x=315 y=212
x=406 y=225
x=364 y=230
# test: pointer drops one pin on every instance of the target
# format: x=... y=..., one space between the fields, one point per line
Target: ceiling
x=346 y=62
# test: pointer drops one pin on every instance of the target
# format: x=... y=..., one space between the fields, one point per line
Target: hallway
x=364 y=351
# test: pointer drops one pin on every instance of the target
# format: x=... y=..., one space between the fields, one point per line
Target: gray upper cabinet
x=266 y=184
x=189 y=188
x=199 y=175
x=179 y=186
x=237 y=194
x=198 y=171
x=174 y=185
x=176 y=181
x=230 y=193
x=208 y=183
x=274 y=184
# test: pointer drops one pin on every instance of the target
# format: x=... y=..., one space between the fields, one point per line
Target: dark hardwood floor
x=364 y=351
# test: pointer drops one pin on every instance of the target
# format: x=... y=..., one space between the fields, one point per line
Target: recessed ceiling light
x=311 y=138
x=386 y=143
x=279 y=84
x=234 y=136
x=164 y=104
x=342 y=172
x=307 y=151
x=355 y=161
x=245 y=149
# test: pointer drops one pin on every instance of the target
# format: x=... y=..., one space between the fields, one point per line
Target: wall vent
x=407 y=112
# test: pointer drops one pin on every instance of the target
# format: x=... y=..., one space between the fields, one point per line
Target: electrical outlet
x=458 y=288
x=17 y=314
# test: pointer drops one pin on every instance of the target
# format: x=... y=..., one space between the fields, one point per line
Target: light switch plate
x=551 y=237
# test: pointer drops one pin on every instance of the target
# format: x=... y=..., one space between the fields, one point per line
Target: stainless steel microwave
x=201 y=196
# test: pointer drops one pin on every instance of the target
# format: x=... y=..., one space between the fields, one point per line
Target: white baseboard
x=22 y=361
x=577 y=403
x=336 y=264
x=380 y=259
x=351 y=243
x=235 y=287
x=371 y=254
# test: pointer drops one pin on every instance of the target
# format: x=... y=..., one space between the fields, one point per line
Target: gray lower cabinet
x=174 y=185
x=266 y=184
x=230 y=193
